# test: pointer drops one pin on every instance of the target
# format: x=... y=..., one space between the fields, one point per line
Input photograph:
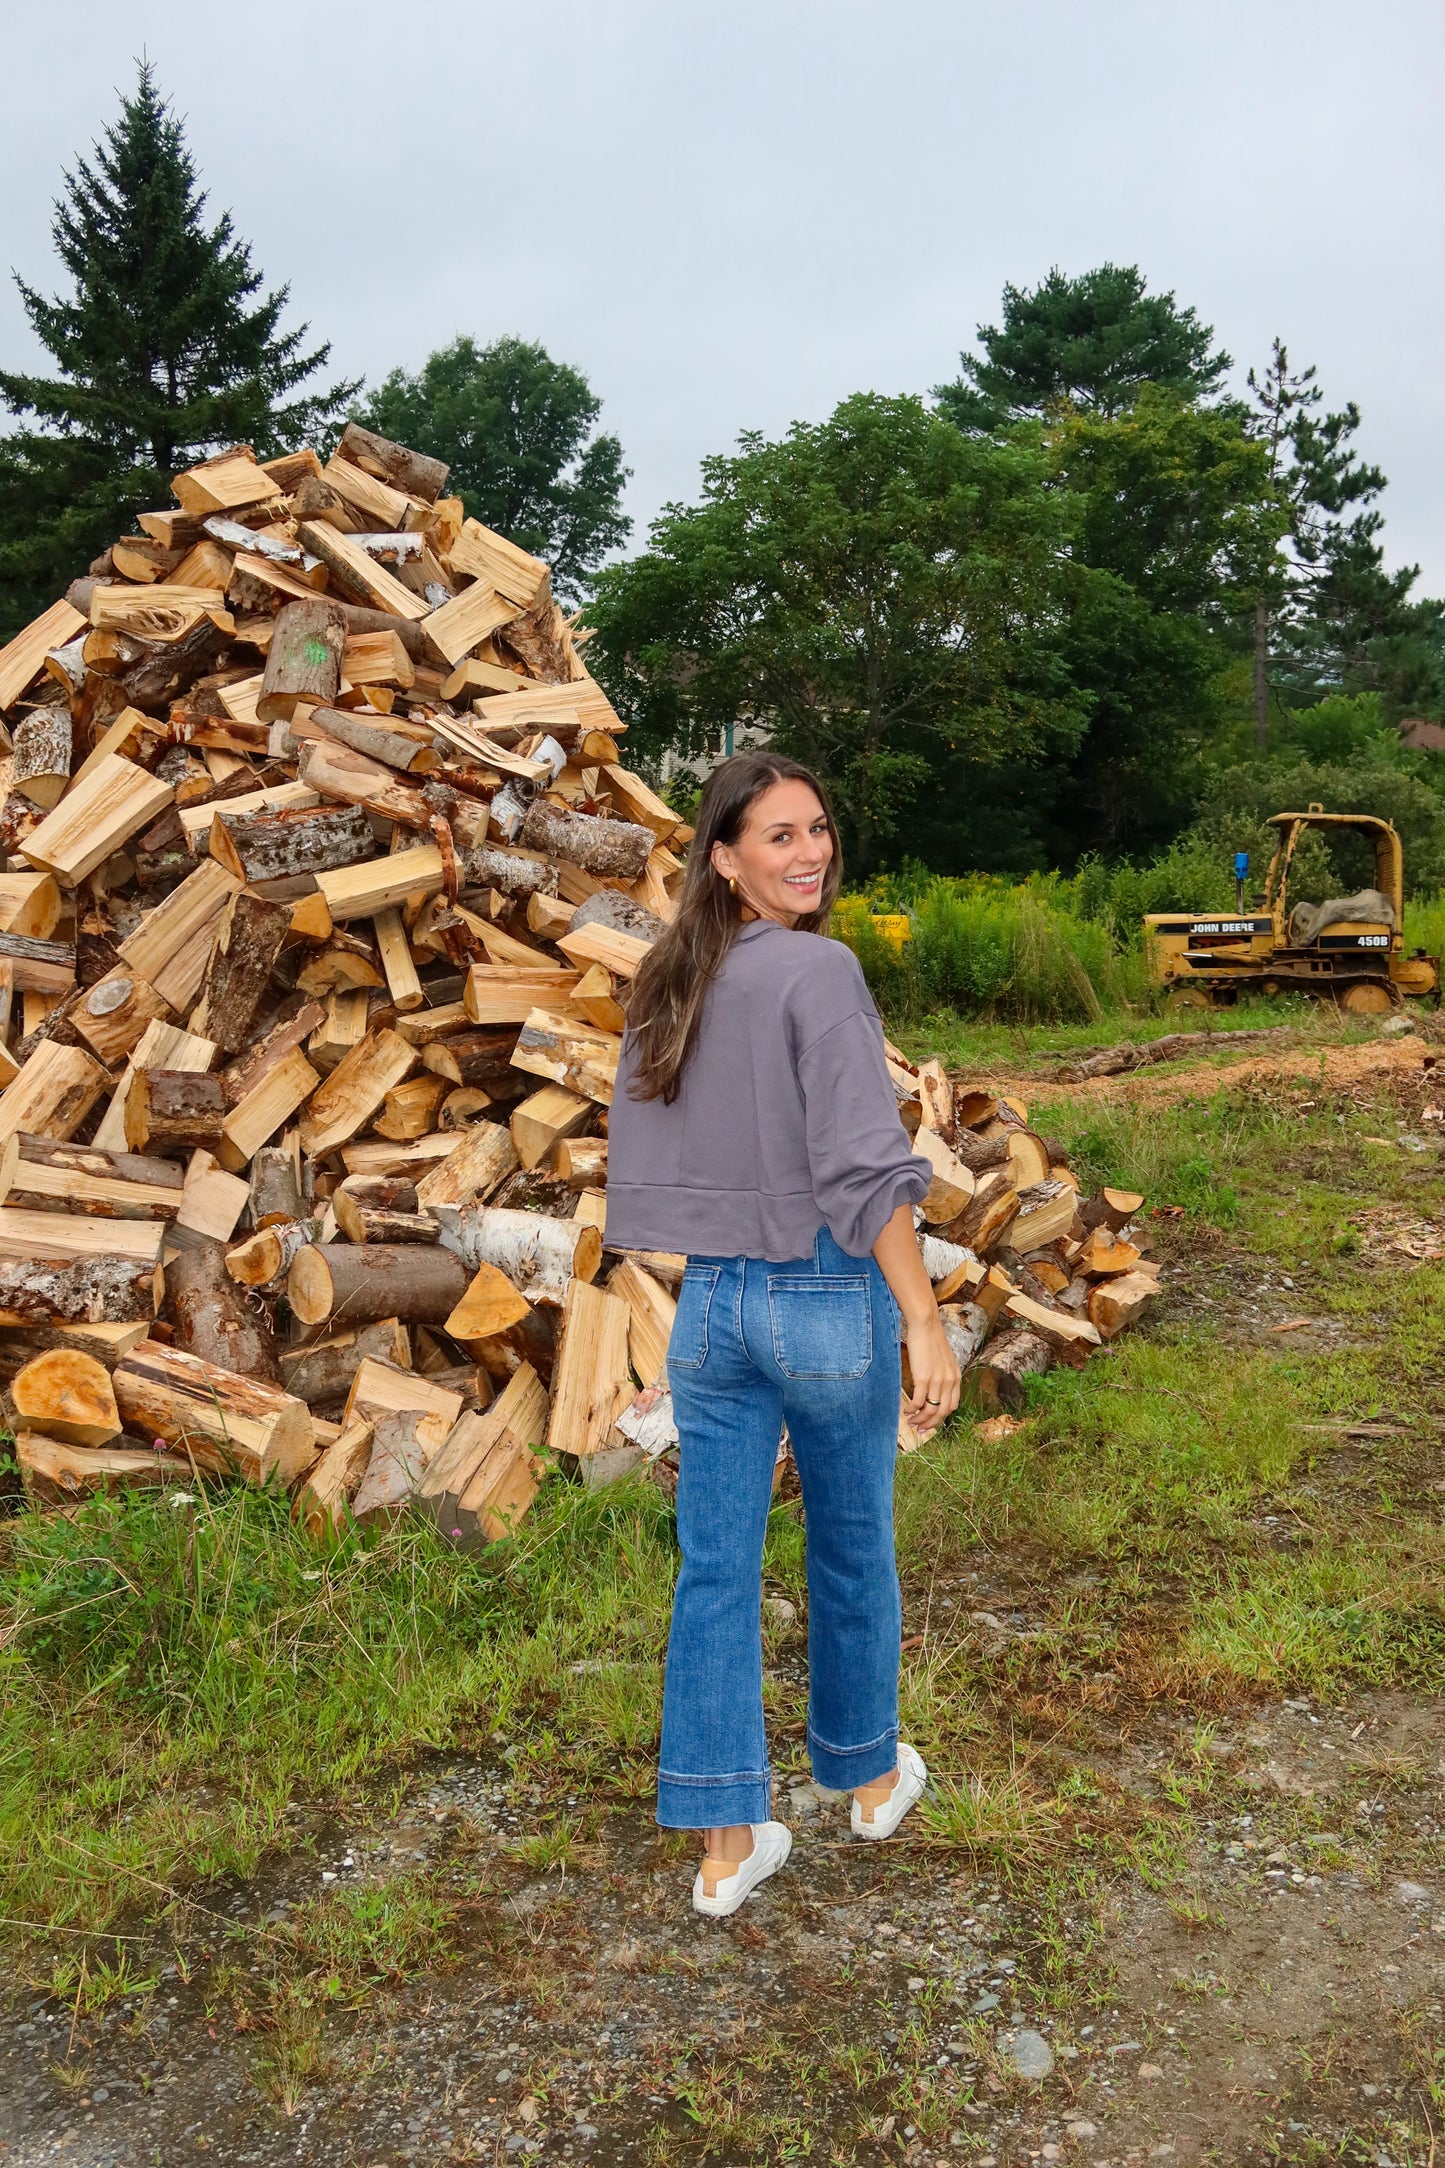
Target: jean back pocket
x=822 y=1325
x=687 y=1346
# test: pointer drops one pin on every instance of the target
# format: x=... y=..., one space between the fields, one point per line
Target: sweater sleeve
x=858 y=1152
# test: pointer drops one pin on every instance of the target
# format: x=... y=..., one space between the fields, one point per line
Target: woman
x=755 y=1127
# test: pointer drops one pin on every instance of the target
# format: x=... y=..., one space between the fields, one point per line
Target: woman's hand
x=934 y=1365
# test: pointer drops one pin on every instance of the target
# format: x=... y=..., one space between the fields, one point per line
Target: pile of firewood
x=323 y=883
x=1026 y=1271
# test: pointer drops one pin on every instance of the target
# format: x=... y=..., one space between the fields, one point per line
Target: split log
x=491 y=1305
x=270 y=1102
x=618 y=953
x=361 y=891
x=513 y=873
x=341 y=1030
x=38 y=967
x=484 y=1478
x=410 y=1108
x=591 y=1381
x=1112 y=1208
x=335 y=771
x=265 y=1257
x=112 y=1017
x=378 y=1390
x=539 y=1256
x=322 y=1501
x=395 y=747
x=229 y=1424
x=291 y=1029
x=419 y=1283
x=362 y=1220
x=651 y=1310
x=952 y=1185
x=571 y=1053
x=303 y=662
x=966 y=1326
x=1113 y=1304
x=509 y=993
x=62 y=1475
x=52 y=1094
x=322 y=1374
x=212 y=1318
x=41 y=766
x=68 y=1396
x=471 y=1170
x=1103 y=1254
x=115 y=801
x=980 y=1154
x=991 y=1211
x=1029 y=1156
x=211 y=1202
x=354 y=1091
x=935 y=1103
x=415 y=474
x=581 y=1161
x=612 y=850
x=275 y=1185
x=107 y=1343
x=37 y=1174
x=251 y=935
x=997 y=1381
x=462 y=1107
x=174 y=1110
x=1055 y=1326
x=1045 y=1212
x=482 y=1059
x=545 y=1118
x=104 y=1289
x=296 y=840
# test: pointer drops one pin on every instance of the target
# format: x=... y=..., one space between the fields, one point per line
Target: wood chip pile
x=323 y=883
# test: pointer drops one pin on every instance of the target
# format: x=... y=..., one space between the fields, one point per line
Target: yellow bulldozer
x=1350 y=949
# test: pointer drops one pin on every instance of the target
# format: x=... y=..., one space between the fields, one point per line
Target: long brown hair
x=673 y=978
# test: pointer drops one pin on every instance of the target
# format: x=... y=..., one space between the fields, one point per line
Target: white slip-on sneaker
x=906 y=1793
x=772 y=1842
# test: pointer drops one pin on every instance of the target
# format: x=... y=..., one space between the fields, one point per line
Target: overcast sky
x=732 y=216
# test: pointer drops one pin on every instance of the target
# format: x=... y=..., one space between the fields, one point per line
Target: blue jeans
x=815 y=1343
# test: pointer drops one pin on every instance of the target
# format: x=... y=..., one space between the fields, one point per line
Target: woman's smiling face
x=782 y=854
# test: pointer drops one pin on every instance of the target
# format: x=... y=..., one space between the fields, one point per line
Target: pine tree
x=1090 y=341
x=168 y=349
x=1324 y=598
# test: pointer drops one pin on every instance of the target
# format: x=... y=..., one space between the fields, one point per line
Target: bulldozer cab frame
x=1359 y=962
x=1389 y=856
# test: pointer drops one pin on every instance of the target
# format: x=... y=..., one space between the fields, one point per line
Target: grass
x=177 y=1676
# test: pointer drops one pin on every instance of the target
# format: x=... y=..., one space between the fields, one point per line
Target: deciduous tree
x=517 y=430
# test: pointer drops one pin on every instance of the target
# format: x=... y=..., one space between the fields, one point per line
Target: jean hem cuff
x=713 y=1802
x=843 y=1769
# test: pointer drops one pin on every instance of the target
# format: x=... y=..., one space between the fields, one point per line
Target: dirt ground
x=1268 y=1986
x=1275 y=1998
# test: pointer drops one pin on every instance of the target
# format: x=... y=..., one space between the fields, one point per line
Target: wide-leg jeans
x=816 y=1344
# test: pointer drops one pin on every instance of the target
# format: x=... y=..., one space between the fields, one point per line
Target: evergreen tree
x=516 y=429
x=1326 y=609
x=167 y=348
x=1089 y=341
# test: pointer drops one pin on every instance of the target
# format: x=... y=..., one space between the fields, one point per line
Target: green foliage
x=1238 y=800
x=1022 y=953
x=1170 y=511
x=164 y=350
x=877 y=592
x=1091 y=342
x=517 y=430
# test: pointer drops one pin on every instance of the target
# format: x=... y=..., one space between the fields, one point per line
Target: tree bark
x=298 y=839
x=539 y=1256
x=171 y=1110
x=304 y=659
x=612 y=850
x=250 y=940
x=419 y=1283
x=213 y=1319
x=106 y=1290
x=322 y=1374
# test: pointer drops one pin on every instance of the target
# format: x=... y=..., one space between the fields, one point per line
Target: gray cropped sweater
x=786 y=1120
